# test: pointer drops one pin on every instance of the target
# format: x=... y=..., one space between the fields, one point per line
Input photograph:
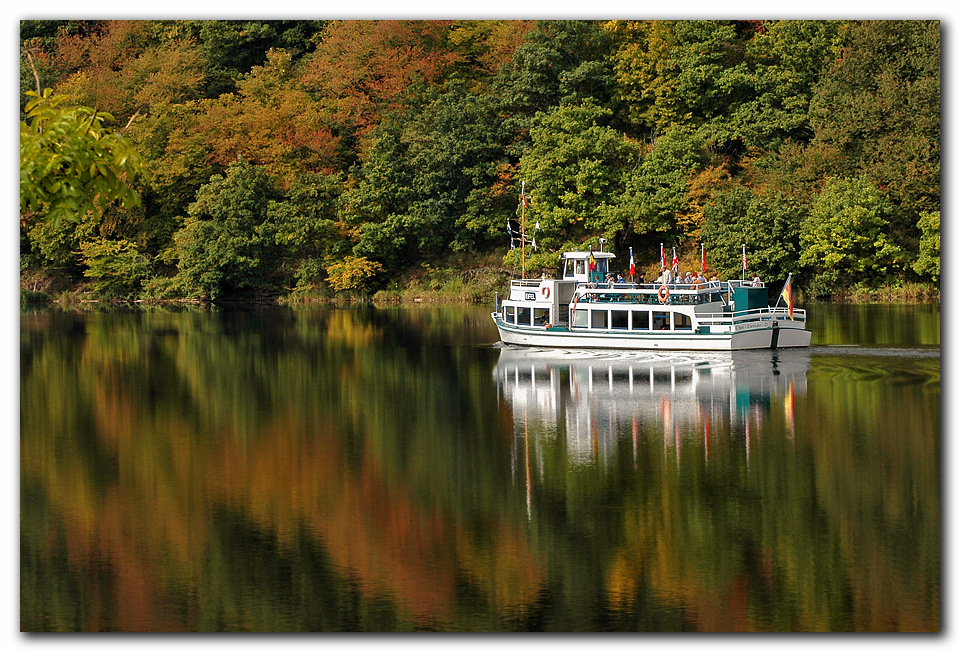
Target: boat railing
x=652 y=287
x=526 y=282
x=754 y=315
x=641 y=287
x=678 y=294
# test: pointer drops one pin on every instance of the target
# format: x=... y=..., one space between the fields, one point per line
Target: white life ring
x=545 y=291
x=663 y=293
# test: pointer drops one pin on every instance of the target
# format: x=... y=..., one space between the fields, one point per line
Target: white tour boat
x=580 y=310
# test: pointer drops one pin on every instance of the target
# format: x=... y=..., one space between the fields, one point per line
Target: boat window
x=580 y=318
x=618 y=319
x=508 y=315
x=523 y=316
x=602 y=266
x=661 y=321
x=681 y=322
x=541 y=316
x=598 y=319
x=641 y=320
x=580 y=268
x=568 y=268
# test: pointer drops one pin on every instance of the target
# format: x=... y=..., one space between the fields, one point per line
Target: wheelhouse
x=576 y=266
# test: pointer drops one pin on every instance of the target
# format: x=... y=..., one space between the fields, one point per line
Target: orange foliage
x=701 y=189
x=285 y=134
x=103 y=58
x=364 y=67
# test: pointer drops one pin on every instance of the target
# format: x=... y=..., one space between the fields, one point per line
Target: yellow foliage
x=352 y=273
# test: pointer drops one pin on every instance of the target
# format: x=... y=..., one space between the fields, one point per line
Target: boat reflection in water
x=594 y=400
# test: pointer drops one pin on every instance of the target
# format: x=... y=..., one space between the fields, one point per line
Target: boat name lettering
x=530 y=296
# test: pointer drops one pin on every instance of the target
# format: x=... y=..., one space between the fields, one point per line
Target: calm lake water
x=392 y=469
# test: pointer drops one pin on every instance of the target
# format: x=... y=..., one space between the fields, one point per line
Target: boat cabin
x=576 y=266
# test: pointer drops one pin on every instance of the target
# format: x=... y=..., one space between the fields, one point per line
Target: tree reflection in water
x=323 y=470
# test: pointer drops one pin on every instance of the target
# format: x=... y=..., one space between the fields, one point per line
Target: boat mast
x=523 y=233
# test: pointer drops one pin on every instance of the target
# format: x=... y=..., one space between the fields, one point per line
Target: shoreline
x=416 y=294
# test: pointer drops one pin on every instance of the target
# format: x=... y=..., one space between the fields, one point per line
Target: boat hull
x=760 y=338
x=791 y=336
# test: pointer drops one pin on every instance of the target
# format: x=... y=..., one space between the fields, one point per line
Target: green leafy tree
x=928 y=261
x=878 y=106
x=231 y=48
x=575 y=171
x=768 y=224
x=429 y=182
x=847 y=232
x=656 y=196
x=683 y=73
x=71 y=163
x=56 y=246
x=307 y=229
x=226 y=246
x=115 y=267
x=559 y=61
x=179 y=161
x=786 y=58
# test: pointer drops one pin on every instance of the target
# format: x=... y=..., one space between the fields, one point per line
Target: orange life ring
x=663 y=293
x=545 y=291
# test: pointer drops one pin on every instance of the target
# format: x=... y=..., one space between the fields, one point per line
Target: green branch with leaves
x=70 y=163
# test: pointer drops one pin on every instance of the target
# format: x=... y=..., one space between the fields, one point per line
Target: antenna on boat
x=602 y=240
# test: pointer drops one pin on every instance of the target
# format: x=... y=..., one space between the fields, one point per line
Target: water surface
x=392 y=469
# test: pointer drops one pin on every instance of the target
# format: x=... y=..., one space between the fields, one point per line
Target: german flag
x=787 y=295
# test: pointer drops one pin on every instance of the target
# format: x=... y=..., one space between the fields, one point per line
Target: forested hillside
x=279 y=158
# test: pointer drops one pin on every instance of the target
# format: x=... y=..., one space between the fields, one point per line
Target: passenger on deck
x=757 y=283
x=620 y=279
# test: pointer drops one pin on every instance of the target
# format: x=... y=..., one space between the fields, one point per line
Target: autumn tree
x=363 y=68
x=271 y=121
x=99 y=65
x=484 y=46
